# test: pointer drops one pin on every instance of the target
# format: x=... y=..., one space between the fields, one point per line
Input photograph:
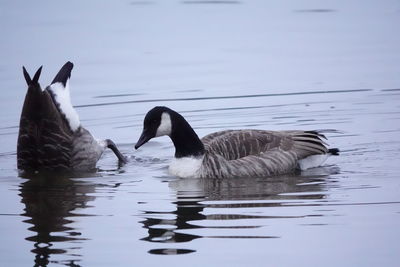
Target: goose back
x=234 y=153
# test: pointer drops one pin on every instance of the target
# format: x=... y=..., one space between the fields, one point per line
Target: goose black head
x=164 y=121
x=157 y=122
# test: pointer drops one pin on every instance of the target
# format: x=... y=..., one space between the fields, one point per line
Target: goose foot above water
x=111 y=145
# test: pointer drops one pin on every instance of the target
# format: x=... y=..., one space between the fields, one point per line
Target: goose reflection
x=162 y=230
x=49 y=205
x=228 y=197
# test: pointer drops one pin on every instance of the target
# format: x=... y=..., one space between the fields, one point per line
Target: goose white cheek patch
x=62 y=97
x=165 y=125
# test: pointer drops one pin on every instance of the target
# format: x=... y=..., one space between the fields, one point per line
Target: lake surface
x=223 y=65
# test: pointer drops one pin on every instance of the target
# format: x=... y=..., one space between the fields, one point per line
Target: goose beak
x=143 y=139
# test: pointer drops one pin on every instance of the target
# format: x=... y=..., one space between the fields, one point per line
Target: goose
x=51 y=137
x=234 y=153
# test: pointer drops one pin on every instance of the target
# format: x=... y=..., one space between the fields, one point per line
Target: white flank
x=165 y=125
x=62 y=97
x=186 y=167
x=312 y=161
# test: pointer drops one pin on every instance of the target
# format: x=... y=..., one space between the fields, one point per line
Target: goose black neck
x=185 y=139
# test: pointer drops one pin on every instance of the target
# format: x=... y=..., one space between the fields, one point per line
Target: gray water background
x=224 y=65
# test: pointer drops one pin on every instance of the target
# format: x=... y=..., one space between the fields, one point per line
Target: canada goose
x=50 y=133
x=234 y=153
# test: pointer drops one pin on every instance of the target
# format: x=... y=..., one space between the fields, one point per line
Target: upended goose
x=51 y=137
x=234 y=153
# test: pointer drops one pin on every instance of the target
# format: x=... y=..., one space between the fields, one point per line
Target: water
x=223 y=65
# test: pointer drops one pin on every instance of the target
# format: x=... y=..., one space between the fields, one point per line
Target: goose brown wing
x=282 y=153
x=250 y=153
x=27 y=158
x=44 y=140
x=275 y=162
x=236 y=144
x=55 y=136
x=64 y=149
x=56 y=147
x=212 y=136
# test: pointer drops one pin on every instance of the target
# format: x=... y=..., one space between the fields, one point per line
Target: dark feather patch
x=35 y=79
x=334 y=151
x=64 y=74
x=318 y=133
x=26 y=76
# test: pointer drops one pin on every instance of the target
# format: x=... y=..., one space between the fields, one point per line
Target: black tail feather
x=27 y=76
x=64 y=74
x=35 y=79
x=334 y=151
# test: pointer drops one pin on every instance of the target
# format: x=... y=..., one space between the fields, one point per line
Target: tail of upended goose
x=59 y=89
x=51 y=137
x=64 y=74
x=29 y=122
x=32 y=103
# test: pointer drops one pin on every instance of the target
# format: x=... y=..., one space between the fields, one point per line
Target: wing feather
x=258 y=152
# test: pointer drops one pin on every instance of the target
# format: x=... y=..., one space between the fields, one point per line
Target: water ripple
x=222 y=97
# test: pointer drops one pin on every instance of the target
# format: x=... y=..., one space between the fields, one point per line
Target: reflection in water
x=188 y=209
x=228 y=199
x=49 y=204
x=169 y=251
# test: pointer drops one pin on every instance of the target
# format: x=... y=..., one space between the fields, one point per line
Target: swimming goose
x=50 y=133
x=234 y=153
